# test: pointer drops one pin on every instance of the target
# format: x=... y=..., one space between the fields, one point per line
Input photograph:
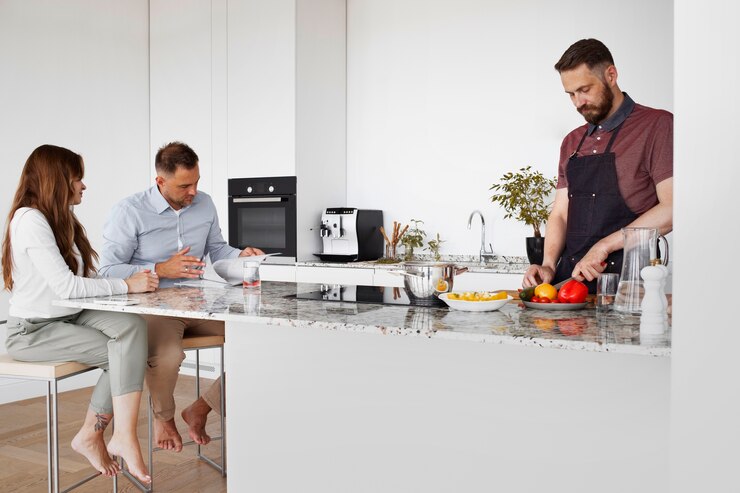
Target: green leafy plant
x=522 y=195
x=433 y=247
x=414 y=238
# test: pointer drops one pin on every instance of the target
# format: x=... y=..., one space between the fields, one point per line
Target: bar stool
x=51 y=373
x=191 y=343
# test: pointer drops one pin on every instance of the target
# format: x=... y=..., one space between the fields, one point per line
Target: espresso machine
x=349 y=234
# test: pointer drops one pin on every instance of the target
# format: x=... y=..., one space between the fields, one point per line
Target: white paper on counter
x=232 y=269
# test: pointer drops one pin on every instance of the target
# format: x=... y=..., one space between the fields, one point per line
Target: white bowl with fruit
x=476 y=301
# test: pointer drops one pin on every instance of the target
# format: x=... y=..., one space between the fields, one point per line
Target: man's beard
x=595 y=114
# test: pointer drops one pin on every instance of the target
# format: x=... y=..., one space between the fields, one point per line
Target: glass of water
x=251 y=274
x=606 y=291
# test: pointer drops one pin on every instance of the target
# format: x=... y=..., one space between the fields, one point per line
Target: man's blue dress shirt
x=143 y=230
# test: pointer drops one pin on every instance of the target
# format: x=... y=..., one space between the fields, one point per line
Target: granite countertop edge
x=510 y=325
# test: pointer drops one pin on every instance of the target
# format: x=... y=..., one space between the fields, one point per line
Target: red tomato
x=573 y=292
x=555 y=301
x=544 y=299
x=535 y=299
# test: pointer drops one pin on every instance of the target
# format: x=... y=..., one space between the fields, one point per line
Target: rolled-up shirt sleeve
x=216 y=246
x=120 y=240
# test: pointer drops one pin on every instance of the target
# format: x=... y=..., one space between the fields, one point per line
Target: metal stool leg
x=223 y=415
x=49 y=447
x=197 y=392
x=55 y=433
x=221 y=465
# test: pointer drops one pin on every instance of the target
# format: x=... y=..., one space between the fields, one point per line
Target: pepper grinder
x=654 y=308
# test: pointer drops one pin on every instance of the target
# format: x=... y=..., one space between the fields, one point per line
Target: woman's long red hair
x=46 y=185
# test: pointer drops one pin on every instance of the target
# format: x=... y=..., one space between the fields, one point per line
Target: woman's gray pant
x=114 y=342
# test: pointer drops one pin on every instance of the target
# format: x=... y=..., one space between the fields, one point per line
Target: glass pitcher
x=640 y=247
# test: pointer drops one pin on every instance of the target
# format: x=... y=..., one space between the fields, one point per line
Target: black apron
x=596 y=209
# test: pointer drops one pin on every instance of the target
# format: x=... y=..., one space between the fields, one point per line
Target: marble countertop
x=497 y=264
x=581 y=330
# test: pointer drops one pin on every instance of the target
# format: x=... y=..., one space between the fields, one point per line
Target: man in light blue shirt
x=169 y=229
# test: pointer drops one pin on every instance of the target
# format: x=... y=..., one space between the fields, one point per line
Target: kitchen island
x=334 y=396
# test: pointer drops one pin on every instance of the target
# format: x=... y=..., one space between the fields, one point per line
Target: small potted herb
x=522 y=195
x=414 y=238
x=433 y=248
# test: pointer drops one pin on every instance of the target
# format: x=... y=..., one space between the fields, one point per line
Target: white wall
x=76 y=74
x=445 y=97
x=705 y=370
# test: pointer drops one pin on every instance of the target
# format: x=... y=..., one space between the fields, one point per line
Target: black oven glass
x=263 y=226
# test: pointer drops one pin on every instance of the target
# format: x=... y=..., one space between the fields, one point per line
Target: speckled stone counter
x=580 y=330
x=497 y=264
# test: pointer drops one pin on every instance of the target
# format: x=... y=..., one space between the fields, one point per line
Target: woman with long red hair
x=46 y=256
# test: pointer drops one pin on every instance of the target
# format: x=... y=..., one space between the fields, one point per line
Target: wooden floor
x=23 y=448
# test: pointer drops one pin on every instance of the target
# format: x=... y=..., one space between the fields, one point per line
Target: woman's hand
x=142 y=282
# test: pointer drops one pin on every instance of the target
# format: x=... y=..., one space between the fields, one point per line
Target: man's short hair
x=592 y=52
x=175 y=155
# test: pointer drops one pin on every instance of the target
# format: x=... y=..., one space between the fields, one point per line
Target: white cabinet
x=274 y=272
x=487 y=281
x=335 y=275
x=384 y=278
x=367 y=276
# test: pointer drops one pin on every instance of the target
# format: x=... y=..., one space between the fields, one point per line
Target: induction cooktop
x=379 y=295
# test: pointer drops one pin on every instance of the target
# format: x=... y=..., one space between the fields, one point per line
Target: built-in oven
x=262 y=214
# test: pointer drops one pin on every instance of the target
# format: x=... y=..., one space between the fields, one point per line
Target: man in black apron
x=583 y=232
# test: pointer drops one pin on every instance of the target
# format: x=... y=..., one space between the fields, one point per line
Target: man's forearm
x=659 y=217
x=554 y=241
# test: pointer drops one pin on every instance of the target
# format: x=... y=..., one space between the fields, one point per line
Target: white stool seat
x=43 y=371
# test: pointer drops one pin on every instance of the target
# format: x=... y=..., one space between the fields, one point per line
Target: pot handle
x=460 y=270
x=401 y=273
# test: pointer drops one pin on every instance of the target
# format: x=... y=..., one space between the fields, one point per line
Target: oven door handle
x=241 y=200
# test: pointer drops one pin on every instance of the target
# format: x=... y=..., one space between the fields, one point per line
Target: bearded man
x=615 y=171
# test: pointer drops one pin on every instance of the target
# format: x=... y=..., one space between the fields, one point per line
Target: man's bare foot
x=195 y=415
x=166 y=435
x=128 y=449
x=92 y=447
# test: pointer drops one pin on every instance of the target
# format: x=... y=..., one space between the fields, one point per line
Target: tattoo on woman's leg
x=102 y=422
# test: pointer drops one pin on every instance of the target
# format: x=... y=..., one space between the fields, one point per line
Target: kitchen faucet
x=483 y=252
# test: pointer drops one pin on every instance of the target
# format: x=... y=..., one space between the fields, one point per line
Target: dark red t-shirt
x=643 y=149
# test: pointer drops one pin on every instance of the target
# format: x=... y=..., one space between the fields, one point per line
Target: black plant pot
x=535 y=249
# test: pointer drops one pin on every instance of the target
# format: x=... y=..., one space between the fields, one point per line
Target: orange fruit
x=442 y=285
x=546 y=291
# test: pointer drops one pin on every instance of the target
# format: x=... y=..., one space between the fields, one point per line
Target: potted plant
x=433 y=246
x=414 y=238
x=522 y=195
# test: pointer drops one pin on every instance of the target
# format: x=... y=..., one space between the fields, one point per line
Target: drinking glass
x=606 y=291
x=251 y=274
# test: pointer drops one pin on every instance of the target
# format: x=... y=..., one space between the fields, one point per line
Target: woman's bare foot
x=166 y=435
x=195 y=415
x=128 y=449
x=90 y=444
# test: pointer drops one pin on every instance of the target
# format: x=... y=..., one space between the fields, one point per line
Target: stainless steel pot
x=424 y=280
